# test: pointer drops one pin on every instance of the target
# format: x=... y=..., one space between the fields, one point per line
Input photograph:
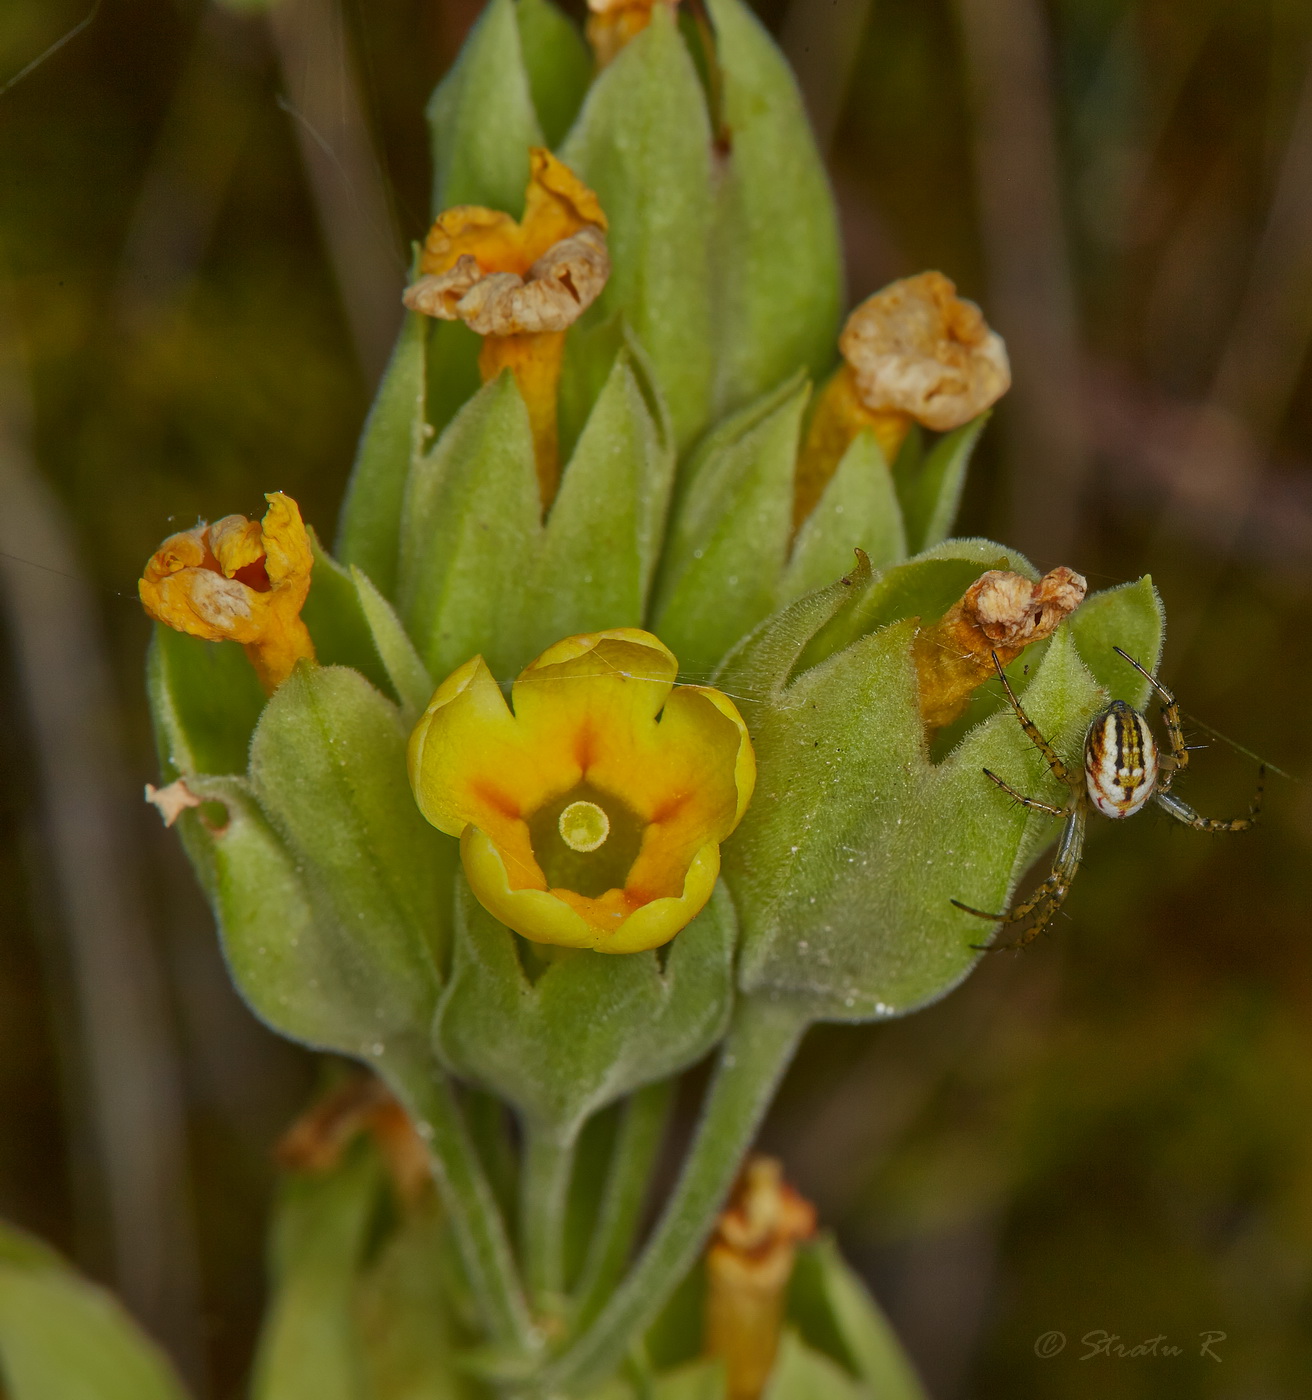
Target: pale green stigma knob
x=584 y=826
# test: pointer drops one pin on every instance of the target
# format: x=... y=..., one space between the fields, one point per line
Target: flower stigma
x=584 y=826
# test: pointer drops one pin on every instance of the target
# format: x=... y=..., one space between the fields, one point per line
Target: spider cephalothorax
x=1123 y=771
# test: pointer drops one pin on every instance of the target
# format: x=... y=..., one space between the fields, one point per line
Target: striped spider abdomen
x=1120 y=761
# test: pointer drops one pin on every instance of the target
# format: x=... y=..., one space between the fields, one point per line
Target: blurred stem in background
x=122 y=1076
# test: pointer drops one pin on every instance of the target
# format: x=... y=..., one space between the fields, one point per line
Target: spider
x=1122 y=771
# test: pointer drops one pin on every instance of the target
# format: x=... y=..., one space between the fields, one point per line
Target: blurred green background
x=203 y=211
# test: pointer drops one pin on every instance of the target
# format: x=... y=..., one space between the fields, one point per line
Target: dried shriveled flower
x=1000 y=611
x=238 y=580
x=591 y=816
x=748 y=1266
x=914 y=352
x=520 y=284
x=612 y=23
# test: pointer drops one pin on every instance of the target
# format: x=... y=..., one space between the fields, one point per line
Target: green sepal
x=559 y=65
x=64 y=1338
x=482 y=119
x=845 y=866
x=643 y=143
x=602 y=538
x=369 y=532
x=337 y=623
x=858 y=510
x=800 y=1373
x=1130 y=617
x=408 y=675
x=778 y=284
x=930 y=485
x=730 y=528
x=310 y=1348
x=698 y=1380
x=472 y=517
x=833 y=1310
x=590 y=1028
x=329 y=887
x=204 y=700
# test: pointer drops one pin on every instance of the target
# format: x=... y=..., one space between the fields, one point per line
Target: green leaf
x=205 y=702
x=472 y=517
x=393 y=436
x=310 y=1348
x=837 y=1316
x=778 y=262
x=728 y=541
x=407 y=673
x=483 y=120
x=698 y=1380
x=643 y=143
x=846 y=863
x=930 y=487
x=63 y=1338
x=333 y=932
x=802 y=1374
x=602 y=538
x=1130 y=617
x=593 y=1026
x=859 y=510
x=559 y=65
x=337 y=622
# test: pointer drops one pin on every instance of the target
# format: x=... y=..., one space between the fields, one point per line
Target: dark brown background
x=1113 y=1131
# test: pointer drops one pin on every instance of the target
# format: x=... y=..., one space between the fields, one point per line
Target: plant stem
x=635 y=1150
x=422 y=1086
x=755 y=1054
x=545 y=1175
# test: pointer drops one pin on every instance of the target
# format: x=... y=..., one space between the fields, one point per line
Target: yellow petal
x=288 y=556
x=235 y=542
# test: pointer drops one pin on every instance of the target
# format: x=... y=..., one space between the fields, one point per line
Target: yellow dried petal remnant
x=612 y=23
x=238 y=580
x=520 y=284
x=1000 y=612
x=748 y=1266
x=590 y=815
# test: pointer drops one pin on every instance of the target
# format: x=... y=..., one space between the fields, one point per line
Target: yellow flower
x=915 y=352
x=591 y=816
x=612 y=23
x=520 y=285
x=238 y=580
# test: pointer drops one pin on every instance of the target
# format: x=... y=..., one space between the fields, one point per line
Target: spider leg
x=1183 y=812
x=1059 y=769
x=1024 y=801
x=1171 y=719
x=1035 y=913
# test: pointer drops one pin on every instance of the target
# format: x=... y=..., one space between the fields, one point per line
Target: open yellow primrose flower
x=591 y=816
x=612 y=23
x=520 y=285
x=915 y=352
x=238 y=580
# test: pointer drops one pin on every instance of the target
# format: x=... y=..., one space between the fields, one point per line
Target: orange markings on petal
x=596 y=719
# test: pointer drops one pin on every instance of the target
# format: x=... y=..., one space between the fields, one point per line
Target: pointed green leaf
x=603 y=534
x=802 y=1374
x=643 y=143
x=930 y=487
x=205 y=701
x=698 y=1380
x=310 y=1348
x=1130 y=617
x=729 y=535
x=407 y=673
x=779 y=269
x=328 y=769
x=472 y=517
x=483 y=120
x=559 y=65
x=337 y=623
x=63 y=1338
x=593 y=1026
x=859 y=510
x=836 y=1314
x=369 y=534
